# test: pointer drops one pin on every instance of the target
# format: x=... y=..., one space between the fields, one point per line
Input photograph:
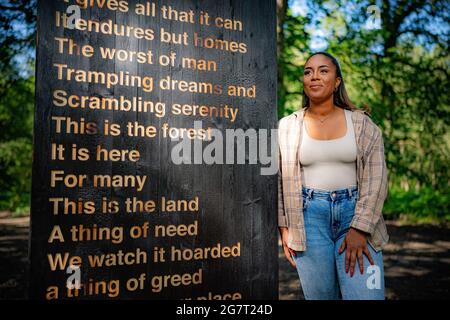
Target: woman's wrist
x=360 y=232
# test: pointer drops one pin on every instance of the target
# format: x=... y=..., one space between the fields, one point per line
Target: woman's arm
x=371 y=195
x=282 y=221
x=373 y=188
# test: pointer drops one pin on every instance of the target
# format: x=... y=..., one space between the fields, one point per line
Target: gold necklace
x=322 y=121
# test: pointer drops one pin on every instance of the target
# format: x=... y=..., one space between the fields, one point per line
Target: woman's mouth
x=315 y=86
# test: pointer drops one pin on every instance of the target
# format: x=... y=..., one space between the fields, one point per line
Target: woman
x=332 y=185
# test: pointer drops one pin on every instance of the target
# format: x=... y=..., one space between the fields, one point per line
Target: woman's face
x=319 y=78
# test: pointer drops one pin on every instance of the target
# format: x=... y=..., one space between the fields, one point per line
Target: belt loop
x=349 y=192
x=310 y=191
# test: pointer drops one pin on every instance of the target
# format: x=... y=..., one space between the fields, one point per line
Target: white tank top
x=329 y=164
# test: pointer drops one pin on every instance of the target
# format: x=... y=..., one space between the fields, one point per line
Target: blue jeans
x=327 y=216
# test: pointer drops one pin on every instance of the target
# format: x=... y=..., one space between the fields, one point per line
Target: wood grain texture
x=237 y=204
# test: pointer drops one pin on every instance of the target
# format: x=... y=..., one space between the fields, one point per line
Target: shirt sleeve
x=282 y=221
x=373 y=189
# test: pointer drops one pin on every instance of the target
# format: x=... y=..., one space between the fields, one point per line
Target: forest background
x=394 y=56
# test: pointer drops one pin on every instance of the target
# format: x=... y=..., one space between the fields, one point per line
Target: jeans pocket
x=350 y=203
x=347 y=212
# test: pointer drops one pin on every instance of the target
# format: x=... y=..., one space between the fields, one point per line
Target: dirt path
x=13 y=257
x=417 y=262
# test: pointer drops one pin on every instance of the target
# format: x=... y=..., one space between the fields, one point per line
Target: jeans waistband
x=344 y=193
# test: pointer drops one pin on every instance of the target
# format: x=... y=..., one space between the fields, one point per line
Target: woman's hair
x=340 y=96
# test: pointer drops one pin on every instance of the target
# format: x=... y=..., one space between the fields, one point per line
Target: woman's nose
x=316 y=75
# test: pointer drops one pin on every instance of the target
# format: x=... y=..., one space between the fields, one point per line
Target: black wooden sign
x=140 y=190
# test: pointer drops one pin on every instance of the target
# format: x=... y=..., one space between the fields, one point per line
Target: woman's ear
x=337 y=82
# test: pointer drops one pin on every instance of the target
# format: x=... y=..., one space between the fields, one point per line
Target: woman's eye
x=306 y=73
x=324 y=71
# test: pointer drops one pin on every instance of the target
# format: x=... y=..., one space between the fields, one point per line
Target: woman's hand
x=356 y=244
x=287 y=251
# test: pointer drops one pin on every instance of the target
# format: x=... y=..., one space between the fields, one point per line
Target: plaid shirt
x=371 y=174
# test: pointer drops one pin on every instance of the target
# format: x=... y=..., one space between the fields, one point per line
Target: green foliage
x=17 y=43
x=15 y=161
x=17 y=36
x=290 y=63
x=16 y=123
x=401 y=72
x=427 y=204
